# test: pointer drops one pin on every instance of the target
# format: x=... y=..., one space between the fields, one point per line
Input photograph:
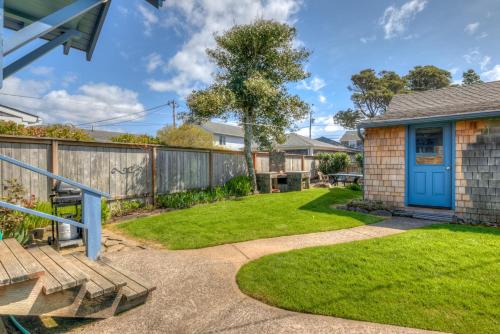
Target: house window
x=429 y=145
x=353 y=143
x=222 y=140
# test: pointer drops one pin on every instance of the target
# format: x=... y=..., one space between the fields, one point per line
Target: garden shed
x=438 y=149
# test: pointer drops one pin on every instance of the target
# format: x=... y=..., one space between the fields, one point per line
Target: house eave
x=429 y=119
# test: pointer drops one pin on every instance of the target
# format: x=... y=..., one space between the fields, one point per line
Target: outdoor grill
x=63 y=196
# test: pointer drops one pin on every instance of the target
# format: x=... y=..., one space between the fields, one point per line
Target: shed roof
x=223 y=129
x=296 y=141
x=472 y=101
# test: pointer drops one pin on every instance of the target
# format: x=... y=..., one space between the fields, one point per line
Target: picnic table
x=344 y=178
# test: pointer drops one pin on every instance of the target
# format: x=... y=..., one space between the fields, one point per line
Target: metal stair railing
x=91 y=208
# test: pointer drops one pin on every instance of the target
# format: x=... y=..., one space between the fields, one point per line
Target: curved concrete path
x=197 y=293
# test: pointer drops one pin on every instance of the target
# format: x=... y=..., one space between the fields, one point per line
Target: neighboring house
x=328 y=141
x=438 y=148
x=103 y=136
x=18 y=116
x=297 y=144
x=351 y=139
x=225 y=135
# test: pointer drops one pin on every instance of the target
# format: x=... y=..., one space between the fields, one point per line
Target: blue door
x=430 y=165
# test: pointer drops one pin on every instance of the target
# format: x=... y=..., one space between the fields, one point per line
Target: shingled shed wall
x=385 y=165
x=477 y=190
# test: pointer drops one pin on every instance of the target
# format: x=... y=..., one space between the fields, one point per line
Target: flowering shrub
x=135 y=139
x=52 y=131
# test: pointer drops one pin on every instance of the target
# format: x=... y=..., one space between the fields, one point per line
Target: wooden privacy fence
x=128 y=170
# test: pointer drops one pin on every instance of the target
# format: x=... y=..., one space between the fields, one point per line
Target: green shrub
x=105 y=211
x=369 y=205
x=32 y=221
x=239 y=186
x=186 y=199
x=135 y=139
x=123 y=208
x=354 y=187
x=359 y=159
x=333 y=163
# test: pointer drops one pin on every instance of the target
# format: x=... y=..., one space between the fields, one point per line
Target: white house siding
x=232 y=142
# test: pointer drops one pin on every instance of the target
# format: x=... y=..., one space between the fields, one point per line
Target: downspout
x=360 y=135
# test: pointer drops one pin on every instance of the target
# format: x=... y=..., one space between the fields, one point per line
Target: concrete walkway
x=197 y=293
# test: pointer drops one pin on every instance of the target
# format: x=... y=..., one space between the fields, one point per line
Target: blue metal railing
x=91 y=208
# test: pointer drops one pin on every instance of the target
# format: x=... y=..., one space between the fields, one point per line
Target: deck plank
x=14 y=269
x=4 y=277
x=79 y=276
x=32 y=267
x=101 y=285
x=102 y=270
x=64 y=279
x=136 y=286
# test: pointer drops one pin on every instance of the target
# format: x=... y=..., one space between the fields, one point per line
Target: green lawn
x=444 y=277
x=248 y=218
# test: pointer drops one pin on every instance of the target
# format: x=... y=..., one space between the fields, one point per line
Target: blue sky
x=145 y=57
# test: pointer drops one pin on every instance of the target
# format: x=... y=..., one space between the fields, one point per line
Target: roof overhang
x=76 y=24
x=429 y=119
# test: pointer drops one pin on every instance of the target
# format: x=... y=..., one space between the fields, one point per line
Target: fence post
x=153 y=174
x=91 y=216
x=54 y=161
x=210 y=169
x=254 y=158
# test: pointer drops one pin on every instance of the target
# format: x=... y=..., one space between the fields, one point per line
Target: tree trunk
x=248 y=129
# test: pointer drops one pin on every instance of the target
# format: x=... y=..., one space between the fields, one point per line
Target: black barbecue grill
x=64 y=196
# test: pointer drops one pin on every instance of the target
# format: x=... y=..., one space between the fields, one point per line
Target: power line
x=23 y=96
x=118 y=117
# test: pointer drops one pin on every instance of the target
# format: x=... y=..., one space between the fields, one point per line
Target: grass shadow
x=465 y=228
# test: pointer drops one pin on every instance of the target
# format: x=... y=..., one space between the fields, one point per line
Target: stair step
x=17 y=264
x=445 y=216
x=60 y=273
x=136 y=285
x=103 y=280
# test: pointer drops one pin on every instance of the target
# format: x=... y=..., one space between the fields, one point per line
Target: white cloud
x=42 y=70
x=366 y=40
x=149 y=18
x=395 y=20
x=471 y=28
x=476 y=57
x=482 y=35
x=323 y=126
x=189 y=68
x=154 y=61
x=68 y=79
x=123 y=10
x=454 y=70
x=322 y=98
x=492 y=75
x=314 y=84
x=91 y=102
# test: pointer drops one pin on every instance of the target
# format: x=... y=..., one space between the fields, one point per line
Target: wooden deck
x=40 y=281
